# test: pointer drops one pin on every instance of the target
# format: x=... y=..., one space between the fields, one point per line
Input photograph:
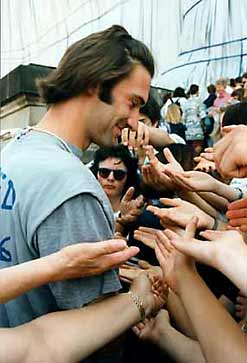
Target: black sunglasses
x=118 y=174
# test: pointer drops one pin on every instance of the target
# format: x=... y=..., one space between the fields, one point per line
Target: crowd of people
x=142 y=253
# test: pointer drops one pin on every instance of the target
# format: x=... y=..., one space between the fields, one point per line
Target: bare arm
x=75 y=330
x=196 y=199
x=207 y=315
x=159 y=138
x=218 y=202
x=82 y=259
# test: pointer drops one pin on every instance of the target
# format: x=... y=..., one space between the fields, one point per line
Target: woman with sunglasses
x=117 y=171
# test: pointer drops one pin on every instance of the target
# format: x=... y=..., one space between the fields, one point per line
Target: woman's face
x=112 y=175
x=220 y=89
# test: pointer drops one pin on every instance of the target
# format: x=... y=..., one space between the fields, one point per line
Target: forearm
x=207 y=315
x=196 y=199
x=226 y=191
x=217 y=201
x=83 y=331
x=18 y=279
x=159 y=138
x=179 y=315
x=179 y=347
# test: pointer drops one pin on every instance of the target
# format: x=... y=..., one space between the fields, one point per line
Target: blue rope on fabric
x=204 y=61
x=192 y=7
x=214 y=45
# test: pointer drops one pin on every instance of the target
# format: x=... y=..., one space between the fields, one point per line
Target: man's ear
x=93 y=91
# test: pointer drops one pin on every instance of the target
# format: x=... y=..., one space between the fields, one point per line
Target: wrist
x=139 y=304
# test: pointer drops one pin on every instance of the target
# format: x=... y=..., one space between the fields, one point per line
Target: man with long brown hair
x=50 y=199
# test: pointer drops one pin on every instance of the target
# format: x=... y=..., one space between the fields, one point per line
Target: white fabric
x=182 y=34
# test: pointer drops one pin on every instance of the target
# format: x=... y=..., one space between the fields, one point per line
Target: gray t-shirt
x=48 y=200
x=81 y=218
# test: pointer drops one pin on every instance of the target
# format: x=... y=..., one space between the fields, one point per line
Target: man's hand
x=181 y=213
x=230 y=153
x=87 y=259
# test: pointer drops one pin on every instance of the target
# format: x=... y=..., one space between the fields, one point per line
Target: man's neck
x=68 y=121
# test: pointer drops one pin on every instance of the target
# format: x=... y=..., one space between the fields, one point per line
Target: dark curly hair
x=120 y=152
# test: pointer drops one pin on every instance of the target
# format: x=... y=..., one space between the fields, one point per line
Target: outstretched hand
x=180 y=213
x=87 y=259
x=130 y=208
x=173 y=262
x=193 y=181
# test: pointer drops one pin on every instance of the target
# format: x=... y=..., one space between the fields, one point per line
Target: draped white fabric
x=192 y=40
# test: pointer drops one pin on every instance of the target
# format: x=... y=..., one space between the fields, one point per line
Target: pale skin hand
x=148 y=235
x=130 y=208
x=74 y=261
x=193 y=181
x=222 y=250
x=180 y=213
x=157 y=169
x=230 y=153
x=171 y=261
x=237 y=214
x=129 y=273
x=151 y=329
x=136 y=140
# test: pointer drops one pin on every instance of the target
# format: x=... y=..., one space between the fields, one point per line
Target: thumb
x=168 y=155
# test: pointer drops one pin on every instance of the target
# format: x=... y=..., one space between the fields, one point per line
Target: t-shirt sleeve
x=81 y=218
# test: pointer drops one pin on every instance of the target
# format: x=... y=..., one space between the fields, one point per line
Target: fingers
x=176 y=202
x=162 y=239
x=132 y=139
x=238 y=204
x=106 y=247
x=128 y=195
x=190 y=229
x=125 y=136
x=212 y=235
x=118 y=258
x=168 y=155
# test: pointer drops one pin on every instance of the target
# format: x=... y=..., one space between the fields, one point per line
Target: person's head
x=110 y=68
x=238 y=82
x=220 y=85
x=194 y=90
x=244 y=78
x=211 y=89
x=235 y=115
x=150 y=112
x=232 y=82
x=179 y=92
x=238 y=94
x=116 y=170
x=166 y=97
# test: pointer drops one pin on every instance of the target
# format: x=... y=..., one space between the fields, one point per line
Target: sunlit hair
x=173 y=114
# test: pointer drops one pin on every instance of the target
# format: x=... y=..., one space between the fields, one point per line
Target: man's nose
x=133 y=122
